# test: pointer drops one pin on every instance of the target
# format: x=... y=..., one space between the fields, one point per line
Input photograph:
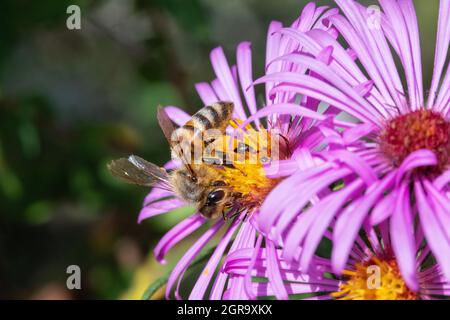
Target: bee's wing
x=168 y=129
x=166 y=124
x=139 y=171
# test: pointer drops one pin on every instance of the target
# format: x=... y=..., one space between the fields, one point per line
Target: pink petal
x=272 y=47
x=177 y=115
x=244 y=240
x=350 y=221
x=247 y=277
x=354 y=162
x=324 y=71
x=271 y=210
x=223 y=73
x=405 y=38
x=176 y=234
x=383 y=209
x=317 y=89
x=157 y=194
x=301 y=226
x=372 y=50
x=442 y=180
x=159 y=207
x=417 y=159
x=244 y=65
x=402 y=237
x=206 y=93
x=324 y=211
x=434 y=230
x=219 y=90
x=189 y=256
x=274 y=275
x=205 y=277
x=284 y=108
x=439 y=196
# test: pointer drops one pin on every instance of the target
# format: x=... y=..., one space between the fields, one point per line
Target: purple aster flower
x=371 y=273
x=395 y=165
x=295 y=121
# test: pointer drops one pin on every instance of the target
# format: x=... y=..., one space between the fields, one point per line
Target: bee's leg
x=246 y=216
x=237 y=213
x=225 y=218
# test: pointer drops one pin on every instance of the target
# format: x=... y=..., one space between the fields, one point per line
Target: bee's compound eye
x=215 y=196
x=193 y=178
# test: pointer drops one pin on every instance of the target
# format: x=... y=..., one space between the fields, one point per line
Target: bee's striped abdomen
x=215 y=116
x=201 y=122
x=195 y=131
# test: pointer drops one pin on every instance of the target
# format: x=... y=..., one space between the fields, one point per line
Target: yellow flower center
x=246 y=155
x=250 y=181
x=374 y=280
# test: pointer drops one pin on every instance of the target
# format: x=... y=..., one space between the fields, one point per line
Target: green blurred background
x=71 y=100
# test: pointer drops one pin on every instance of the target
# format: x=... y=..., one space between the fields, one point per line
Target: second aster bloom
x=371 y=273
x=296 y=122
x=396 y=164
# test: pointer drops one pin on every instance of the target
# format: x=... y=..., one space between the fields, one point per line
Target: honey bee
x=196 y=182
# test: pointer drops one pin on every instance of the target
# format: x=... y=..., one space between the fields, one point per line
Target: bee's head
x=218 y=200
x=215 y=203
x=206 y=190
